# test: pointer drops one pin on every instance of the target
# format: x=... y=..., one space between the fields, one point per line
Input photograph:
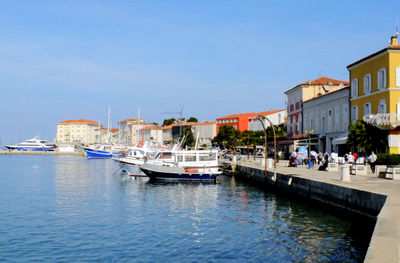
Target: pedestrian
x=372 y=159
x=355 y=156
x=350 y=158
x=334 y=156
x=320 y=156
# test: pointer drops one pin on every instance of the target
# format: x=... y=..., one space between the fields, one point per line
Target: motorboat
x=98 y=151
x=193 y=165
x=135 y=156
x=34 y=144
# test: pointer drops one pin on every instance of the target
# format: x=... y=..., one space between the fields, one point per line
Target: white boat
x=135 y=156
x=34 y=144
x=196 y=165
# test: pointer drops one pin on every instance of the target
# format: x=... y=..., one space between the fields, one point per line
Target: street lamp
x=259 y=117
x=265 y=145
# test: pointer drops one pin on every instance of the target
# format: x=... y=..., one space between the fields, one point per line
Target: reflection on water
x=67 y=208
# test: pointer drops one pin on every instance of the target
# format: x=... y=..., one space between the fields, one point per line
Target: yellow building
x=80 y=131
x=375 y=91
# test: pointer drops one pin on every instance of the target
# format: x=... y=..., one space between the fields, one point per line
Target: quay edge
x=365 y=195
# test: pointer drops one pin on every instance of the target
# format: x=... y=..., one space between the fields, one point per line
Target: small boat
x=135 y=156
x=34 y=144
x=99 y=151
x=192 y=165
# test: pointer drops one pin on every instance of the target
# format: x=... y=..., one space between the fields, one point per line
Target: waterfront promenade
x=385 y=241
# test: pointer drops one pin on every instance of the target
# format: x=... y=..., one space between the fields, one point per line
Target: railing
x=383 y=120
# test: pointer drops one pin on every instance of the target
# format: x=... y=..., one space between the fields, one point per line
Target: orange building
x=239 y=121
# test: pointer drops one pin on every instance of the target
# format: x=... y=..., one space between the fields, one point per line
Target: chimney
x=393 y=40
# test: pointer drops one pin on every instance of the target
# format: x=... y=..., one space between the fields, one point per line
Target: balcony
x=384 y=121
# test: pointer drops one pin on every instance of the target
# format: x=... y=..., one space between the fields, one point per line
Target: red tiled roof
x=132 y=120
x=252 y=114
x=79 y=121
x=325 y=81
x=266 y=113
x=114 y=130
x=179 y=124
x=321 y=81
x=152 y=127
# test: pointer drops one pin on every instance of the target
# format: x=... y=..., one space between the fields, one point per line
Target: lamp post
x=259 y=117
x=265 y=145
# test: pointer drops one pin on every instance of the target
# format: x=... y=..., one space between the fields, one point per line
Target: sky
x=62 y=60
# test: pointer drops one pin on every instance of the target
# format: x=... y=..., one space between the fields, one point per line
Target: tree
x=248 y=138
x=192 y=119
x=366 y=138
x=189 y=142
x=167 y=122
x=228 y=137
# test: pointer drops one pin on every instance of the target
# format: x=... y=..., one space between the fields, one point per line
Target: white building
x=303 y=92
x=129 y=131
x=206 y=131
x=151 y=134
x=79 y=131
x=275 y=116
x=327 y=117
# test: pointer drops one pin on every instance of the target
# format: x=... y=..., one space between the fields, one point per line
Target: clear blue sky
x=64 y=60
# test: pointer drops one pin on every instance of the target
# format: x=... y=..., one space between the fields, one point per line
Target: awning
x=341 y=139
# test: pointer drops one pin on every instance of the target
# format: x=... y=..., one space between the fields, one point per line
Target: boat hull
x=177 y=174
x=34 y=149
x=93 y=153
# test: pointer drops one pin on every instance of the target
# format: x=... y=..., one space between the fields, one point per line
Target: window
x=354 y=114
x=398 y=77
x=354 y=88
x=381 y=79
x=382 y=106
x=367 y=84
x=367 y=108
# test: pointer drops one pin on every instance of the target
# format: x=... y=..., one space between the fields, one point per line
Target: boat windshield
x=164 y=155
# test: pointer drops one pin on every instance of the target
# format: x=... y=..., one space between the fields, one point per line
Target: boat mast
x=138 y=127
x=108 y=125
x=99 y=135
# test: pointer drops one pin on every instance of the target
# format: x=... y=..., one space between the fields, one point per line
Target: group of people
x=322 y=160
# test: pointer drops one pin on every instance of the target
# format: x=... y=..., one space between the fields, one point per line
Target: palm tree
x=365 y=137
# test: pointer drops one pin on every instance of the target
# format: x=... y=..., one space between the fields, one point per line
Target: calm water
x=66 y=208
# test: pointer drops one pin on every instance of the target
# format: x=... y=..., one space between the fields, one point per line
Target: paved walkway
x=385 y=242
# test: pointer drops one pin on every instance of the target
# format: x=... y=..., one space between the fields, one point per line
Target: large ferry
x=34 y=144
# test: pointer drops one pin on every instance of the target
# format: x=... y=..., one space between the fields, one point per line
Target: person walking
x=350 y=158
x=372 y=159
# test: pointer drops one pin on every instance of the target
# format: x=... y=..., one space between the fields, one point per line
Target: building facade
x=129 y=131
x=78 y=131
x=327 y=118
x=306 y=91
x=275 y=116
x=375 y=91
x=206 y=131
x=151 y=134
x=239 y=121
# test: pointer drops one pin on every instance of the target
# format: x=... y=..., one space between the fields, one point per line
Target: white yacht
x=34 y=144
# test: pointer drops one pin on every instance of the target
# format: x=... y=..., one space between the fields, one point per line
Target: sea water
x=70 y=209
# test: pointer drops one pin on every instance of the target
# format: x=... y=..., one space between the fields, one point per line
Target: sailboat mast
x=138 y=127
x=108 y=124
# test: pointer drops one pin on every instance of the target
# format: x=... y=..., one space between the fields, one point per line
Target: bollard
x=270 y=163
x=234 y=159
x=345 y=173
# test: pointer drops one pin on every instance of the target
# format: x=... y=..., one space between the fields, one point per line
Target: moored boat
x=101 y=151
x=192 y=165
x=34 y=144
